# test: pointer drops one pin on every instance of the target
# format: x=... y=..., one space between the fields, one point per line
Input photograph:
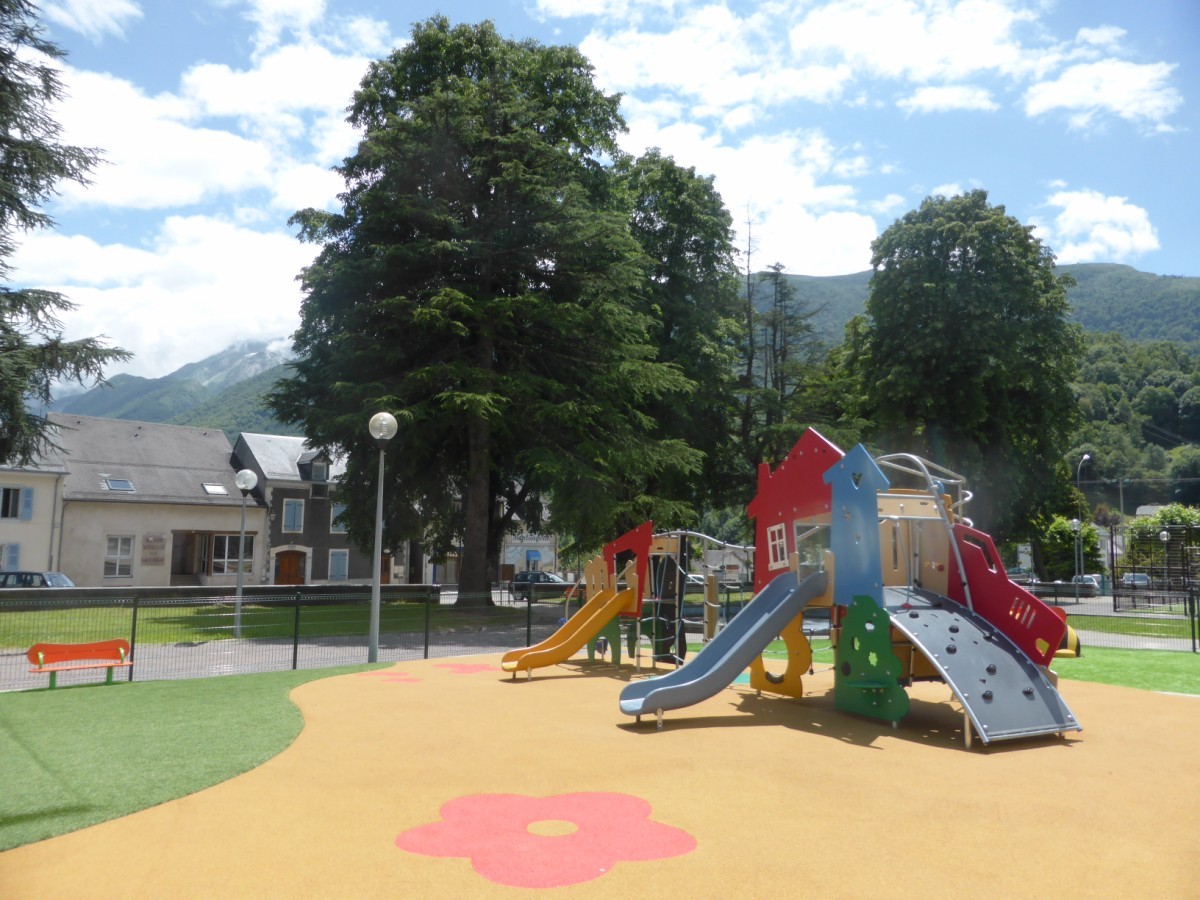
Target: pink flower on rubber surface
x=391 y=675
x=542 y=842
x=466 y=668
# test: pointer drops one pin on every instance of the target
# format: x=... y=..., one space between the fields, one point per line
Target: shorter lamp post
x=1077 y=530
x=1165 y=537
x=383 y=428
x=245 y=481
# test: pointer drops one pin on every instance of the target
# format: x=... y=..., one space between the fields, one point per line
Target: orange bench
x=54 y=658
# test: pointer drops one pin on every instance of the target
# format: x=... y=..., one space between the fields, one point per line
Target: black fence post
x=132 y=638
x=1193 y=615
x=434 y=595
x=529 y=617
x=295 y=630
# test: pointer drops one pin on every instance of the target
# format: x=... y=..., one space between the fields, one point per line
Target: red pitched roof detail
x=795 y=490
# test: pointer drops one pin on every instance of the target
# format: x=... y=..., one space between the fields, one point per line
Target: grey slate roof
x=165 y=463
x=279 y=457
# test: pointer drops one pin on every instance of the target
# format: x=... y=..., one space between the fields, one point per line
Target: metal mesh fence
x=199 y=636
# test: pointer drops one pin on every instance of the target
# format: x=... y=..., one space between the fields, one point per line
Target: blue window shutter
x=12 y=557
x=26 y=504
x=337 y=565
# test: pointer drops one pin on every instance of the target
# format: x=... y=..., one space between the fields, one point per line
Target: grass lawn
x=81 y=755
x=214 y=621
x=1141 y=626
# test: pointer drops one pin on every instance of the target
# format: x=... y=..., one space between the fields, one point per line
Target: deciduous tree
x=968 y=357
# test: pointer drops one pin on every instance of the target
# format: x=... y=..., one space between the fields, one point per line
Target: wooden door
x=289 y=567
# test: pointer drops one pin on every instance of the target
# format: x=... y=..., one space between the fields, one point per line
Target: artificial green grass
x=76 y=756
x=1150 y=670
x=1173 y=671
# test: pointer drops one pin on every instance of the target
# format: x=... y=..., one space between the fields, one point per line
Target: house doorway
x=289 y=567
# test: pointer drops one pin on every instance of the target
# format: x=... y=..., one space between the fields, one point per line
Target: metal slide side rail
x=911 y=464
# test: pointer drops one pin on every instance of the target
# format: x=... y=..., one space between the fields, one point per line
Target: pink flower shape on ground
x=465 y=668
x=391 y=675
x=543 y=842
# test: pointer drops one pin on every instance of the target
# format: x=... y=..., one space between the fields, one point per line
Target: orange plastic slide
x=573 y=635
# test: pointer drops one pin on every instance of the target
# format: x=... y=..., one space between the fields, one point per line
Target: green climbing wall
x=867 y=671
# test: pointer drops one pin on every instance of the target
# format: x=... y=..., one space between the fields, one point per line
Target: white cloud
x=203 y=284
x=1106 y=36
x=272 y=18
x=717 y=59
x=612 y=10
x=1136 y=93
x=92 y=18
x=1092 y=227
x=290 y=79
x=887 y=206
x=949 y=189
x=915 y=40
x=153 y=158
x=948 y=98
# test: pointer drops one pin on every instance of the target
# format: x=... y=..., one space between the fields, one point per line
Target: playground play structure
x=912 y=591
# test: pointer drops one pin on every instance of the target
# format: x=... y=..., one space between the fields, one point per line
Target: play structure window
x=811 y=542
x=777 y=544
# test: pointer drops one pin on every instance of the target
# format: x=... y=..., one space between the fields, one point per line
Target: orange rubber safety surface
x=446 y=778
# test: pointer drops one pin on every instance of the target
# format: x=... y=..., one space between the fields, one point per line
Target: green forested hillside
x=135 y=398
x=1137 y=305
x=239 y=408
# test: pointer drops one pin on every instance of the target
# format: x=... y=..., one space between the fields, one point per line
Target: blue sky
x=822 y=122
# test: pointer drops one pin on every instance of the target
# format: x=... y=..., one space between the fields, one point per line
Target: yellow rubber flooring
x=448 y=779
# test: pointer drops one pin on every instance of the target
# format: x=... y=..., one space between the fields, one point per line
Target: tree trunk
x=474 y=589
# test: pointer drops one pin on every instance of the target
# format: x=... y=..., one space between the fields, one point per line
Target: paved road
x=232 y=656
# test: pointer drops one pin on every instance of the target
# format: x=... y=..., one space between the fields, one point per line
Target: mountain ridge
x=225 y=390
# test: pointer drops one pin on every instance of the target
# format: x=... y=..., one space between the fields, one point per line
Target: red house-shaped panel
x=795 y=491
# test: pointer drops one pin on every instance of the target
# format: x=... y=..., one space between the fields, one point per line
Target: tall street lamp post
x=383 y=428
x=245 y=481
x=1079 y=530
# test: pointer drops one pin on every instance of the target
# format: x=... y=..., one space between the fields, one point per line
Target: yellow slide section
x=575 y=632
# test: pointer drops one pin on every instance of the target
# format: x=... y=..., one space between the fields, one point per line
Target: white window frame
x=344 y=555
x=335 y=510
x=16 y=503
x=225 y=563
x=293 y=502
x=777 y=546
x=118 y=556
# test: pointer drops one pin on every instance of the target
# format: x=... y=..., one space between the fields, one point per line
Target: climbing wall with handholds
x=1003 y=692
x=866 y=671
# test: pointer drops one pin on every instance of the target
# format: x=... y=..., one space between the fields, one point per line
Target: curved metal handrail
x=937 y=487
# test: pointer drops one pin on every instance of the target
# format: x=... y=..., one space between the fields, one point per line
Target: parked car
x=35 y=580
x=1136 y=581
x=522 y=585
x=1090 y=584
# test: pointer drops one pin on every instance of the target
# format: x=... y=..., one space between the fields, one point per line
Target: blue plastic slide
x=728 y=654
